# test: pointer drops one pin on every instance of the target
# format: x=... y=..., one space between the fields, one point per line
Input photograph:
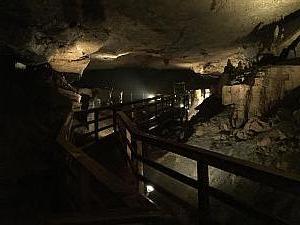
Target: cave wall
x=187 y=33
x=270 y=87
x=56 y=31
x=237 y=95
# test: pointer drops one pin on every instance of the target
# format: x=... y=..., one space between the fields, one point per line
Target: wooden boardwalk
x=134 y=141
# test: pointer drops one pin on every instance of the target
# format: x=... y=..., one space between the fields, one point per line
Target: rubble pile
x=270 y=141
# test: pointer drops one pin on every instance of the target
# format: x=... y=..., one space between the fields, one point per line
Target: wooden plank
x=105 y=128
x=252 y=171
x=96 y=126
x=99 y=129
x=111 y=181
x=92 y=121
x=203 y=187
x=105 y=118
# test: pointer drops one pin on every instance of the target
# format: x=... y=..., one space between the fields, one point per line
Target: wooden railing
x=142 y=112
x=126 y=122
x=135 y=142
x=83 y=169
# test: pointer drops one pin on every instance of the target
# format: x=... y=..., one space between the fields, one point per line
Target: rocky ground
x=265 y=142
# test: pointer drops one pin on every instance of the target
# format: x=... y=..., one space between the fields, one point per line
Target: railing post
x=186 y=107
x=156 y=109
x=96 y=125
x=134 y=159
x=173 y=106
x=173 y=99
x=132 y=111
x=115 y=119
x=203 y=188
x=140 y=165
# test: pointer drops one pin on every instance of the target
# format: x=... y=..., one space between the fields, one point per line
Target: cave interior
x=146 y=112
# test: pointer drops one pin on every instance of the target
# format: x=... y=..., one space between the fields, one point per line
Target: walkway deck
x=125 y=172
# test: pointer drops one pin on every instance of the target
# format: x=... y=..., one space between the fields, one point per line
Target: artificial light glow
x=181 y=105
x=149 y=188
x=199 y=97
x=20 y=66
x=150 y=96
x=207 y=93
x=108 y=56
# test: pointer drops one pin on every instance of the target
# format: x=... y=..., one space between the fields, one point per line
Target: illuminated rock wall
x=196 y=34
x=238 y=96
x=270 y=86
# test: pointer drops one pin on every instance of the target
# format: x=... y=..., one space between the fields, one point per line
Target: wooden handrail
x=240 y=167
x=85 y=165
x=204 y=158
x=129 y=107
x=120 y=106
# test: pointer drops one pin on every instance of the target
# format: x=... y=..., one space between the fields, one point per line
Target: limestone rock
x=276 y=85
x=241 y=135
x=237 y=96
x=256 y=126
x=225 y=127
x=199 y=131
x=277 y=135
x=264 y=142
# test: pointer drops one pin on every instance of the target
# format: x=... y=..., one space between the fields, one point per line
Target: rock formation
x=70 y=33
x=269 y=88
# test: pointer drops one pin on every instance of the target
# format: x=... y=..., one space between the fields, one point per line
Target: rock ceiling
x=198 y=34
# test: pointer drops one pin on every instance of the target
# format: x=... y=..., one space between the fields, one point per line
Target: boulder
x=256 y=125
x=264 y=142
x=210 y=107
x=225 y=127
x=241 y=135
x=277 y=135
